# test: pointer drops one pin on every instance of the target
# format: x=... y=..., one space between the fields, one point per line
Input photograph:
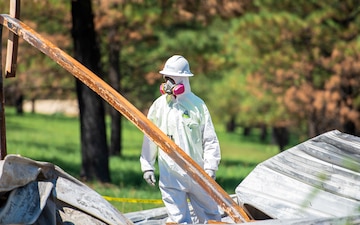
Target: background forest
x=291 y=67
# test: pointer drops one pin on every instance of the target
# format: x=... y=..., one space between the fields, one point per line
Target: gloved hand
x=149 y=177
x=211 y=173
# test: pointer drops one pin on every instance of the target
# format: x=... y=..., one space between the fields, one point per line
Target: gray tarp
x=33 y=192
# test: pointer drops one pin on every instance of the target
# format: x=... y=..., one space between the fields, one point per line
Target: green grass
x=56 y=139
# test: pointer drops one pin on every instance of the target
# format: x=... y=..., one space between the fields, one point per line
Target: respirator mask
x=171 y=88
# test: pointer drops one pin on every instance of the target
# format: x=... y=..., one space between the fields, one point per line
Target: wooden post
x=13 y=41
x=2 y=110
x=10 y=71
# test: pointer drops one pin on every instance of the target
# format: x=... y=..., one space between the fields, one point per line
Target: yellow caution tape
x=133 y=200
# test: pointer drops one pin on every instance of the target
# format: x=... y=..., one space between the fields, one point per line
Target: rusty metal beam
x=235 y=212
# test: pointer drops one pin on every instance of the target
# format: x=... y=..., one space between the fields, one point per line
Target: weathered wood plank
x=13 y=41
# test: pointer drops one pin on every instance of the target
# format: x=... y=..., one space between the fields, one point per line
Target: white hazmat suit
x=186 y=120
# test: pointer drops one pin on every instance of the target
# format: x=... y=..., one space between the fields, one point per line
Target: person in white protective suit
x=185 y=118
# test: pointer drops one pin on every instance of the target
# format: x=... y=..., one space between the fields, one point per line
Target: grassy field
x=56 y=139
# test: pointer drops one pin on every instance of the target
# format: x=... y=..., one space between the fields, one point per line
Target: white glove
x=211 y=173
x=149 y=177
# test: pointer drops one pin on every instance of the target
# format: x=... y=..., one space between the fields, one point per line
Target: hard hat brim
x=176 y=74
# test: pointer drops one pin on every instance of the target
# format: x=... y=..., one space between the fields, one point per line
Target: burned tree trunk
x=94 y=150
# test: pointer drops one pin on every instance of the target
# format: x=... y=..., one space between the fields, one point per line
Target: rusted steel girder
x=234 y=211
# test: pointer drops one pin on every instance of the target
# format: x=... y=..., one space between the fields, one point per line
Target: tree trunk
x=230 y=125
x=311 y=126
x=263 y=134
x=349 y=128
x=19 y=102
x=281 y=137
x=246 y=131
x=94 y=151
x=114 y=77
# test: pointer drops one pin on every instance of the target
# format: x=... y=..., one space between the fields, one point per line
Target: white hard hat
x=177 y=66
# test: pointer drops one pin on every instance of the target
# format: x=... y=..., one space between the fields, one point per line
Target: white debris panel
x=33 y=192
x=319 y=178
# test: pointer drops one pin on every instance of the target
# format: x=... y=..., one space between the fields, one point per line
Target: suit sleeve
x=211 y=146
x=149 y=149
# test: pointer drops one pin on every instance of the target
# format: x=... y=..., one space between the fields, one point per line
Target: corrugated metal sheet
x=316 y=179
